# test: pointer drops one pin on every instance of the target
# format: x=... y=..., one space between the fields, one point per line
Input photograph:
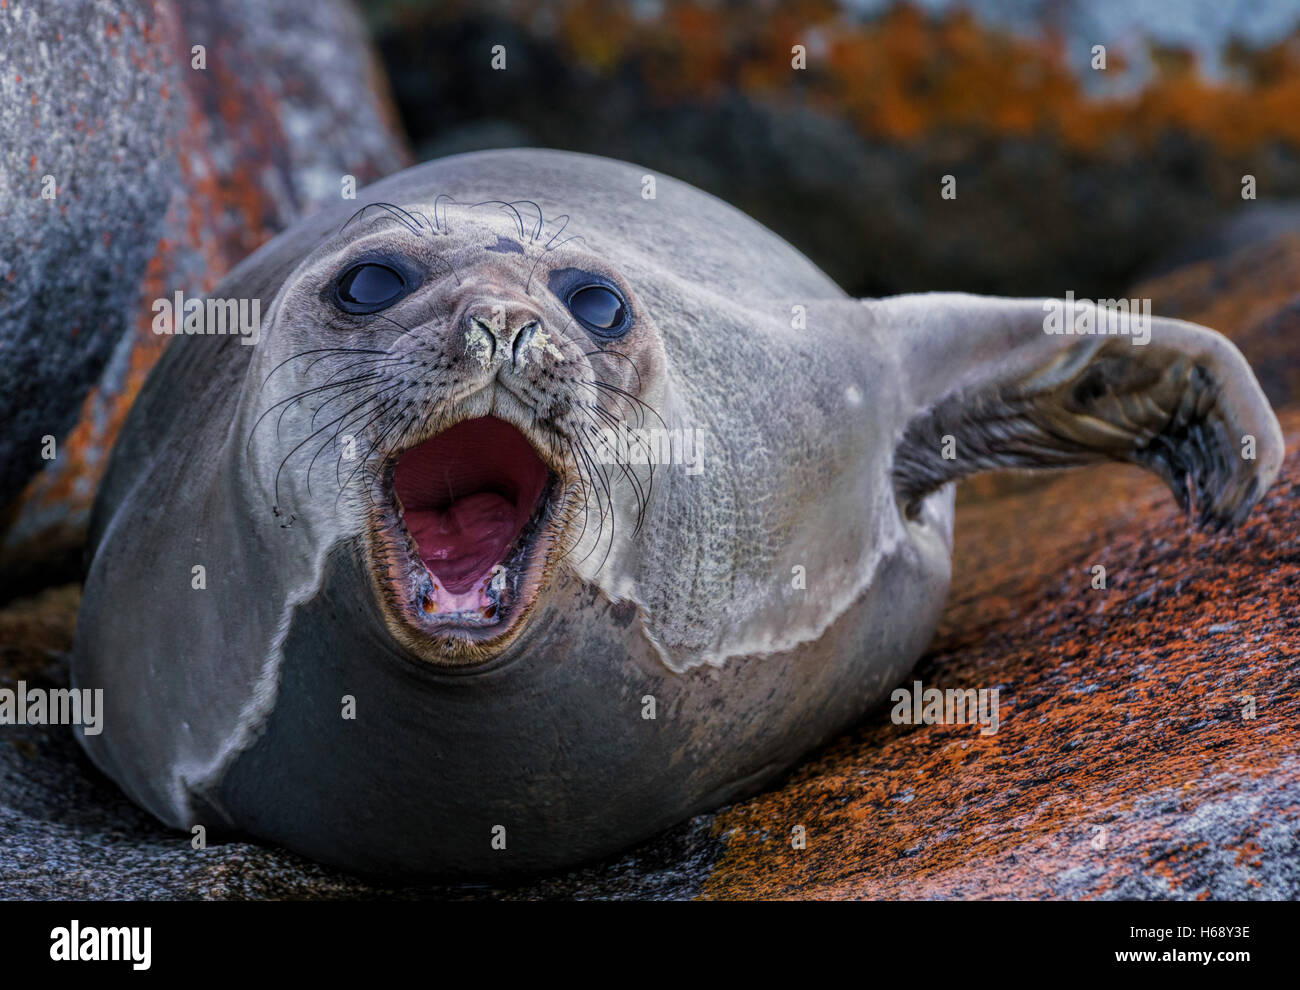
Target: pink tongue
x=462 y=543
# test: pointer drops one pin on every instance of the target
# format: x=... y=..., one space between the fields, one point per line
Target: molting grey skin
x=518 y=701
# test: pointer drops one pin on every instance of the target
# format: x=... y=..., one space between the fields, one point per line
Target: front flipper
x=992 y=383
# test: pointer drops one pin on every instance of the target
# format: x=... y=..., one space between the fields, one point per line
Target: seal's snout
x=499 y=332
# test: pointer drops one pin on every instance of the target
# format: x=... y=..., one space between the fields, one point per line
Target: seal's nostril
x=481 y=341
x=522 y=337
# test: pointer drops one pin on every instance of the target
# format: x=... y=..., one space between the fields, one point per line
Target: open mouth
x=474 y=506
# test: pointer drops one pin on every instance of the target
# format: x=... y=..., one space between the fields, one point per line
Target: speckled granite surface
x=1123 y=767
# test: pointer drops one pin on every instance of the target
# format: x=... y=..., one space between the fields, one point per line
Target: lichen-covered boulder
x=145 y=147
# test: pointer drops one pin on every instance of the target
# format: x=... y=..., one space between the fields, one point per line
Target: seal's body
x=554 y=505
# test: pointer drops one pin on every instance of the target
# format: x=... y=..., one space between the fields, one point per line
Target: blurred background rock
x=1067 y=176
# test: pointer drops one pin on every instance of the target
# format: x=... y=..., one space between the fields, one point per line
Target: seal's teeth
x=493 y=586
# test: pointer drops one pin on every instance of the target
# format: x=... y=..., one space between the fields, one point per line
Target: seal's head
x=442 y=388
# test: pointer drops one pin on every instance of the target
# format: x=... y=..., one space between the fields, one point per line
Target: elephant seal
x=430 y=583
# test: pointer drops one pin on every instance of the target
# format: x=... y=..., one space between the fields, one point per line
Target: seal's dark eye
x=599 y=310
x=369 y=287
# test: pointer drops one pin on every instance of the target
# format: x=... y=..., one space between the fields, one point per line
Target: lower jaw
x=497 y=595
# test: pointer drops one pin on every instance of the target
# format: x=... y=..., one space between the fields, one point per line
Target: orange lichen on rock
x=1149 y=732
x=1149 y=738
x=907 y=73
x=234 y=188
